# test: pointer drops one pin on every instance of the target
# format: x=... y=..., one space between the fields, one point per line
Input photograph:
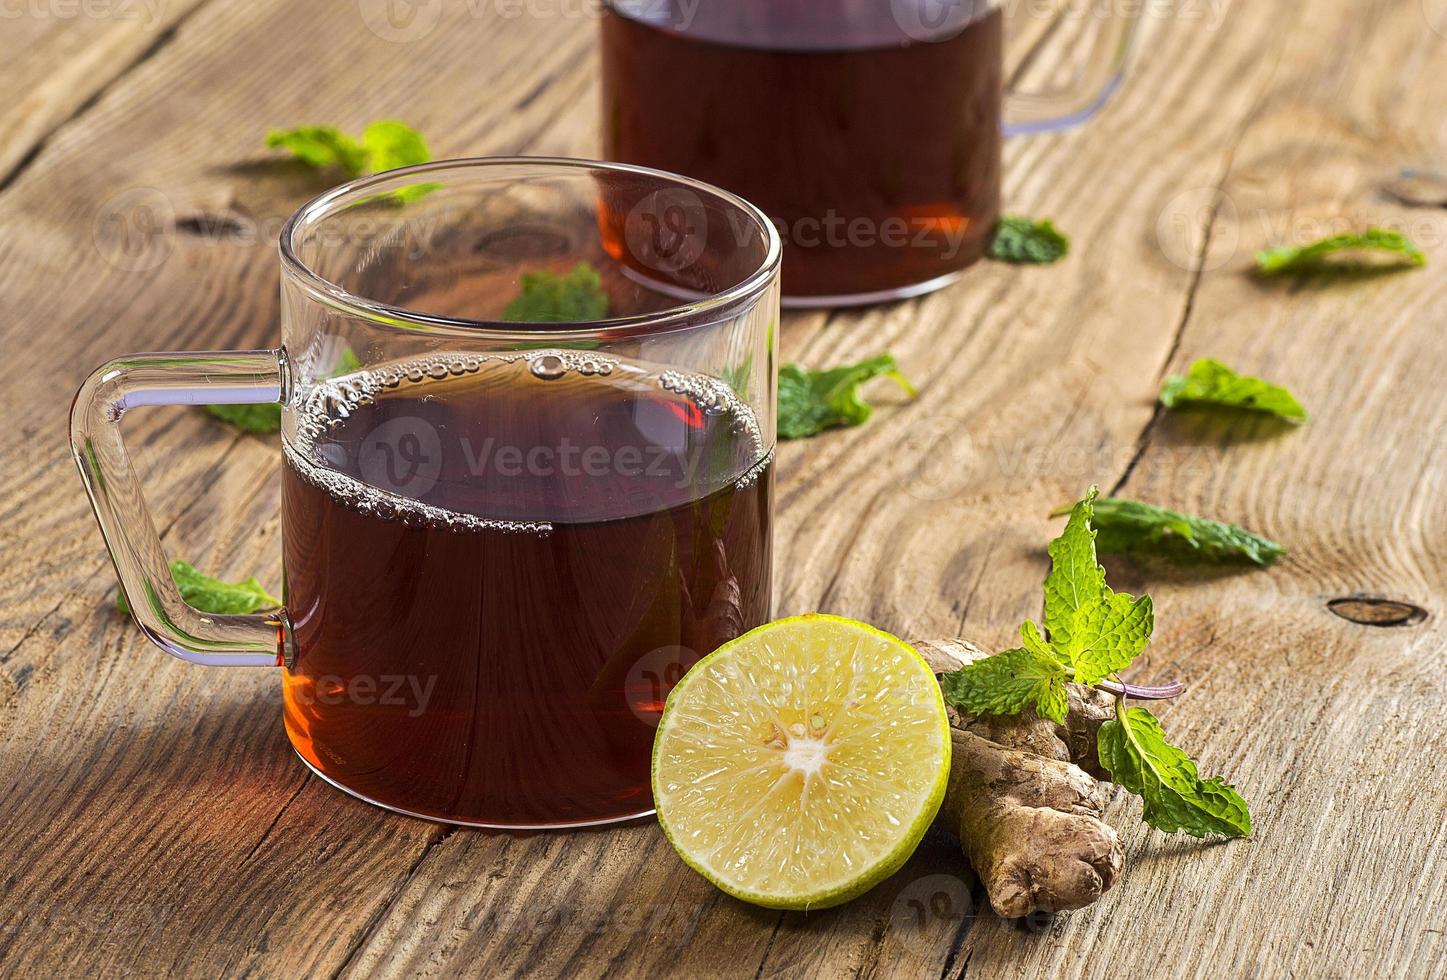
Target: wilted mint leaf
x=1008 y=683
x=547 y=297
x=1021 y=241
x=1132 y=526
x=213 y=595
x=1339 y=251
x=812 y=401
x=1209 y=382
x=1134 y=750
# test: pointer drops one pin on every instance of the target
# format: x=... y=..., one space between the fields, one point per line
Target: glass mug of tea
x=868 y=130
x=527 y=422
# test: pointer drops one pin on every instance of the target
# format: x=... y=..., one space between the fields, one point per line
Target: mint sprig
x=1130 y=526
x=213 y=595
x=550 y=297
x=1347 y=251
x=812 y=401
x=1209 y=382
x=1022 y=241
x=1093 y=633
x=384 y=145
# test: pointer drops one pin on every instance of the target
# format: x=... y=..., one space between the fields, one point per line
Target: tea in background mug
x=868 y=130
x=503 y=542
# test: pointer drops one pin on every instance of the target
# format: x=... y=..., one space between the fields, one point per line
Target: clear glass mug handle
x=1099 y=76
x=194 y=378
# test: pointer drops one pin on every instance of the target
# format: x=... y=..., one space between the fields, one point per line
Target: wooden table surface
x=153 y=819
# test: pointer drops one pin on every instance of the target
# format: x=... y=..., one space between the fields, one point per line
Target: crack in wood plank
x=30 y=154
x=1142 y=443
x=301 y=785
x=444 y=831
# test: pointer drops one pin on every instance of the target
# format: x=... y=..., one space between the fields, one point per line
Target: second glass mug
x=868 y=130
x=503 y=541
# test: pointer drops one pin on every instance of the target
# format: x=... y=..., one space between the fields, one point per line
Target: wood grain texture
x=156 y=820
x=56 y=56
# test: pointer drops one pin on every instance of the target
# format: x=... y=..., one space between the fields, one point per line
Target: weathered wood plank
x=174 y=832
x=1334 y=728
x=140 y=860
x=56 y=56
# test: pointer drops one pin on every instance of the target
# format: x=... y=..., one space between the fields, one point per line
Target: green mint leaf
x=1076 y=578
x=1021 y=241
x=1209 y=382
x=1030 y=636
x=213 y=595
x=1339 y=252
x=1134 y=750
x=321 y=146
x=390 y=144
x=812 y=401
x=737 y=376
x=1008 y=683
x=547 y=297
x=1108 y=634
x=347 y=363
x=250 y=418
x=385 y=145
x=1094 y=630
x=1131 y=526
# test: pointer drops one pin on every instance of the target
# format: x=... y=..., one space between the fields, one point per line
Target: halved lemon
x=800 y=764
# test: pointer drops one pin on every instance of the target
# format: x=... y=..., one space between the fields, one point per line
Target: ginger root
x=1024 y=799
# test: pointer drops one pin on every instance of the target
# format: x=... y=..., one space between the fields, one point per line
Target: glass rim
x=331 y=202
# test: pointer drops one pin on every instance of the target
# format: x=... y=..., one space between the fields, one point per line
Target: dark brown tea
x=497 y=567
x=876 y=153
